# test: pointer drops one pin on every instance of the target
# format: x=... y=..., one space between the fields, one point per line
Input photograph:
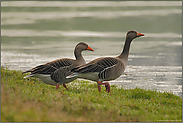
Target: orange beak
x=140 y=34
x=89 y=48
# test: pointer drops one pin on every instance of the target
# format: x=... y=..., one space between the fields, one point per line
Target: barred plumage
x=55 y=72
x=108 y=68
x=50 y=67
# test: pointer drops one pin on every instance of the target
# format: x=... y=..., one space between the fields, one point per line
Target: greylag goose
x=56 y=71
x=106 y=68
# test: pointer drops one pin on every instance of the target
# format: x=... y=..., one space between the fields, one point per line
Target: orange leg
x=107 y=86
x=57 y=86
x=99 y=88
x=65 y=86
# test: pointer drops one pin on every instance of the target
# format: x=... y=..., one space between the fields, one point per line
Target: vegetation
x=32 y=100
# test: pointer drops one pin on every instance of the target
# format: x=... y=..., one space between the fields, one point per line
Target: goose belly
x=89 y=76
x=45 y=78
x=94 y=76
x=65 y=80
x=114 y=75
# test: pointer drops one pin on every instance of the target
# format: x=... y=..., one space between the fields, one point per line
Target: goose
x=56 y=71
x=106 y=68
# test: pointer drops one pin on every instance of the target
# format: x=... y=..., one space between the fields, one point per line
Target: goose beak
x=140 y=34
x=89 y=48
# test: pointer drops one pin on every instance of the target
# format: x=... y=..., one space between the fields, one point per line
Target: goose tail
x=28 y=76
x=26 y=71
x=72 y=75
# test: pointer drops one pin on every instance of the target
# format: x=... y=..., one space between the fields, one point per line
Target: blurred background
x=33 y=33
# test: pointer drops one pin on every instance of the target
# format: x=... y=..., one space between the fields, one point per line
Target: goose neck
x=78 y=55
x=126 y=48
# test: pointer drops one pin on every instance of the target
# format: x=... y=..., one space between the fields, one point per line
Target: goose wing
x=60 y=74
x=97 y=65
x=107 y=68
x=50 y=67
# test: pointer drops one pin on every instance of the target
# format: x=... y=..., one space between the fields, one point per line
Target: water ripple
x=89 y=4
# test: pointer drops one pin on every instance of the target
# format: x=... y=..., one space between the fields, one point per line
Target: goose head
x=133 y=34
x=83 y=46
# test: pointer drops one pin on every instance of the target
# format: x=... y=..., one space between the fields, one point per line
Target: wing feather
x=50 y=67
x=97 y=65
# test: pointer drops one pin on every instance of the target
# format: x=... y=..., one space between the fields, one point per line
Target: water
x=33 y=33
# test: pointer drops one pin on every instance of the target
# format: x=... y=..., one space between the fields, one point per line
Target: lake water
x=33 y=33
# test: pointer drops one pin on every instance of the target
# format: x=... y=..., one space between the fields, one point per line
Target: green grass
x=32 y=100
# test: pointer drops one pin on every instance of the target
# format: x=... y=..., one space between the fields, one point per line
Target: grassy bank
x=32 y=100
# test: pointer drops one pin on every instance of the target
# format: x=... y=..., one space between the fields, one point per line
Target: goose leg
x=65 y=86
x=57 y=86
x=99 y=88
x=107 y=86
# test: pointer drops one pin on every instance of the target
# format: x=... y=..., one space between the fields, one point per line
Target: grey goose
x=56 y=71
x=106 y=68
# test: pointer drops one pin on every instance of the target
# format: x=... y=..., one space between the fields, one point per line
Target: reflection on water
x=50 y=30
x=162 y=78
x=103 y=14
x=90 y=4
x=83 y=33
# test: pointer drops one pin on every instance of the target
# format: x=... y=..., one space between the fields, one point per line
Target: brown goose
x=56 y=71
x=106 y=68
